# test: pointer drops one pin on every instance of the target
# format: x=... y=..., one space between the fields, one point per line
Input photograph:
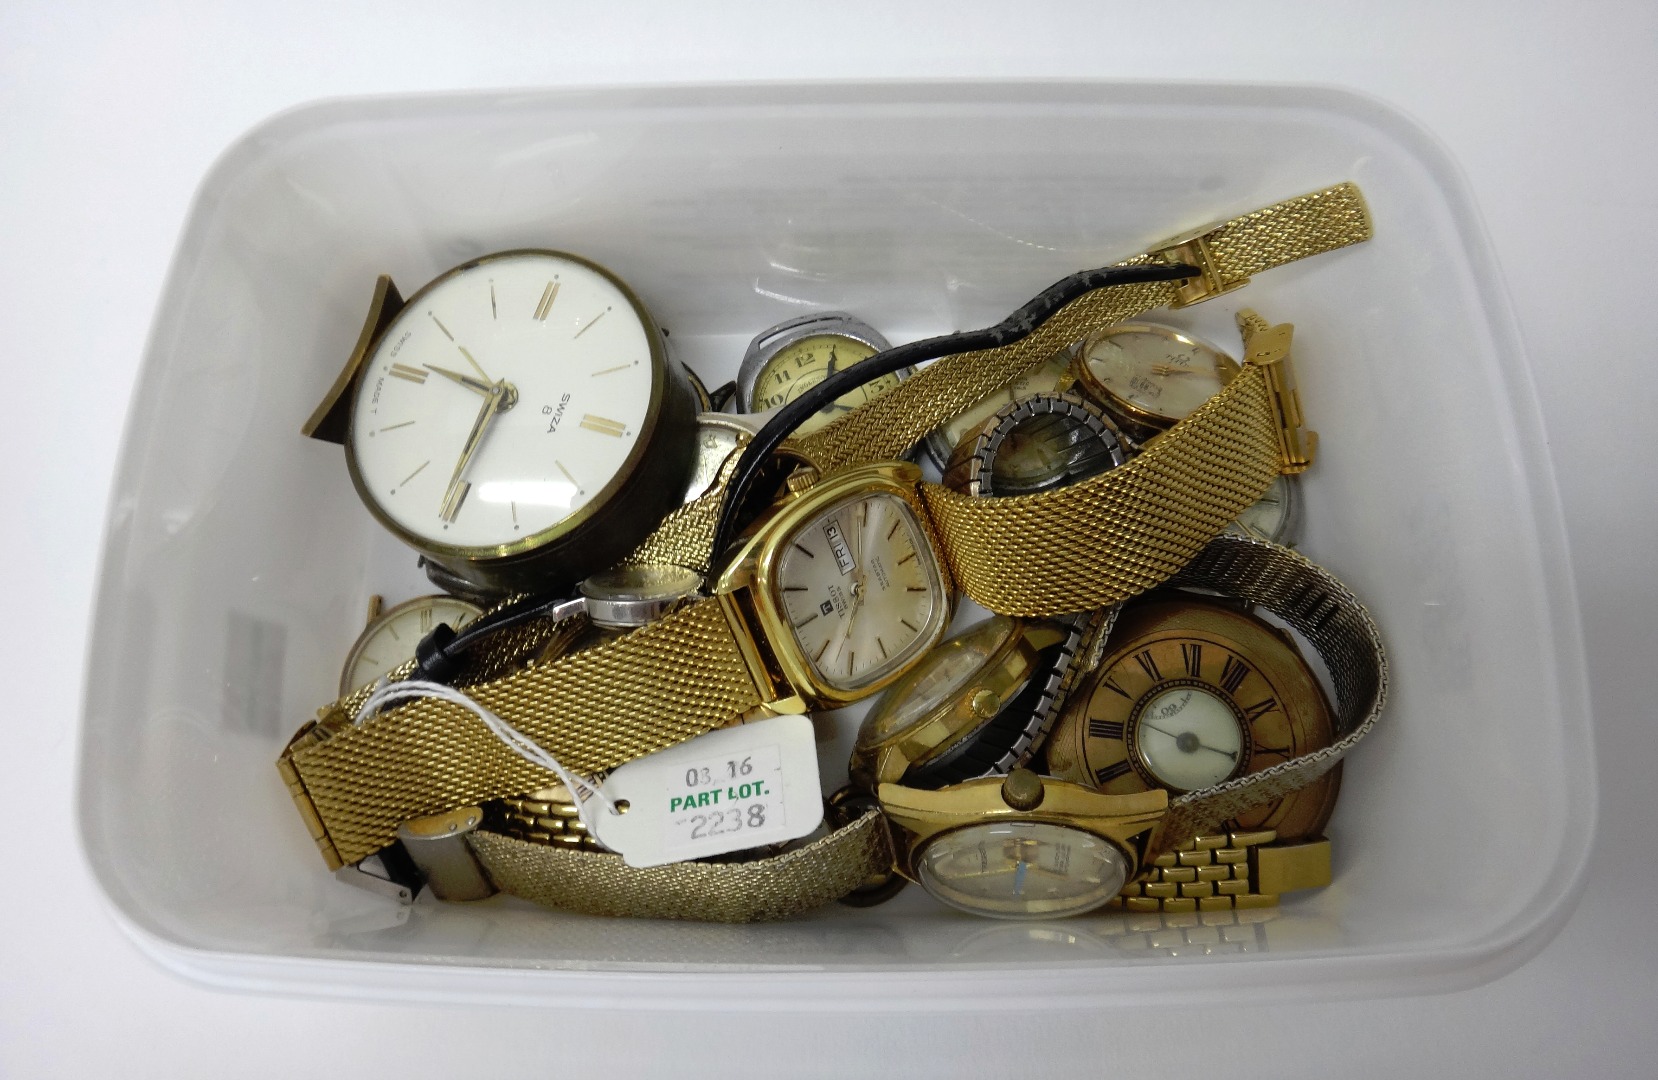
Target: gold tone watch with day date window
x=517 y=420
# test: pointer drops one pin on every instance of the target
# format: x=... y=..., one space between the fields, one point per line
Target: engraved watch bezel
x=941 y=447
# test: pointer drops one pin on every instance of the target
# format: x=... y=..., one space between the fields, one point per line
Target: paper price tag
x=728 y=790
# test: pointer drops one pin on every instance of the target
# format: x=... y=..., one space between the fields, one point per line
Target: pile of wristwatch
x=1054 y=559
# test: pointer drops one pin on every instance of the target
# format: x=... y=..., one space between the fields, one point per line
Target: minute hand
x=456 y=491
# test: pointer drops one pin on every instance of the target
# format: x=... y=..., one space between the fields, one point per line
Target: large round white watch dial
x=862 y=591
x=502 y=403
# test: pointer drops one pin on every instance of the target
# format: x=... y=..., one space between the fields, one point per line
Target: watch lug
x=330 y=420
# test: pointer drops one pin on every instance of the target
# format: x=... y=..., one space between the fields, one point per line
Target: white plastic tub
x=239 y=560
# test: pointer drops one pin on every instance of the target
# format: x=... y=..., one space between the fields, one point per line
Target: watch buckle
x=1269 y=350
x=1193 y=250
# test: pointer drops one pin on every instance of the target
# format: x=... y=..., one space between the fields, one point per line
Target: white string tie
x=579 y=787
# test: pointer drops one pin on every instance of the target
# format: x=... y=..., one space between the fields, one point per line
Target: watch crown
x=801 y=480
x=985 y=705
x=1022 y=790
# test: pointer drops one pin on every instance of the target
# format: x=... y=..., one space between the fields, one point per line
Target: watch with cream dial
x=796 y=355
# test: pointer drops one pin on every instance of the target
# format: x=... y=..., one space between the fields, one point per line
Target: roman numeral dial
x=1190 y=694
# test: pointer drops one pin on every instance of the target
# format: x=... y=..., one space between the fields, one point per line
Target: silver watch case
x=771 y=342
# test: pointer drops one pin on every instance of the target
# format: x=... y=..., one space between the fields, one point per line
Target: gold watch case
x=1134 y=389
x=802 y=549
x=1022 y=846
x=1193 y=692
x=952 y=693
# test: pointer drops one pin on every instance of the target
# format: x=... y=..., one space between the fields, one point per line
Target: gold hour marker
x=548 y=295
x=567 y=476
x=820 y=651
x=589 y=326
x=893 y=529
x=425 y=620
x=514 y=513
x=442 y=327
x=911 y=626
x=602 y=425
x=906 y=559
x=806 y=620
x=883 y=646
x=618 y=367
x=416 y=473
x=394 y=427
x=391 y=628
x=413 y=374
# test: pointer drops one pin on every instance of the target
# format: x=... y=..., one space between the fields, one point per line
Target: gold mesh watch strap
x=672 y=680
x=596 y=883
x=887 y=426
x=1324 y=611
x=1117 y=534
x=1227 y=254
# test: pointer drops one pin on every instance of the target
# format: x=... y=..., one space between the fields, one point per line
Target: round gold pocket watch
x=1150 y=377
x=517 y=421
x=796 y=355
x=1194 y=692
x=392 y=634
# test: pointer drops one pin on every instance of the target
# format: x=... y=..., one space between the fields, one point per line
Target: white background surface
x=107 y=121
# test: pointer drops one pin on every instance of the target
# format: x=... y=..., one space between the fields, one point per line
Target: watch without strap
x=517 y=421
x=1194 y=692
x=792 y=357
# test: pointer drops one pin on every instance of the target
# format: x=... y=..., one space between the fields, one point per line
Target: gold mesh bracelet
x=594 y=710
x=600 y=883
x=886 y=427
x=1110 y=537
